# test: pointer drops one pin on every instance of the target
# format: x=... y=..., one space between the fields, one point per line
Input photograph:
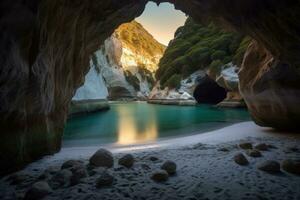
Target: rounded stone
x=126 y=161
x=245 y=145
x=241 y=159
x=160 y=176
x=269 y=166
x=61 y=178
x=261 y=147
x=102 y=158
x=253 y=153
x=78 y=174
x=170 y=167
x=71 y=163
x=291 y=166
x=105 y=179
x=38 y=191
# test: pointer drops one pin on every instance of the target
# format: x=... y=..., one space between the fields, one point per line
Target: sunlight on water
x=129 y=133
x=138 y=122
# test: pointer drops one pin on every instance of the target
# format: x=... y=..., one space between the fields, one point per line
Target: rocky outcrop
x=271 y=89
x=46 y=46
x=228 y=78
x=92 y=96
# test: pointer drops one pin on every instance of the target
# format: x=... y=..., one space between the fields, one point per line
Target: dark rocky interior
x=209 y=92
x=45 y=47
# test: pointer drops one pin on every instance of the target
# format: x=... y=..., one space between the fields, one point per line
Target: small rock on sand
x=126 y=161
x=78 y=174
x=291 y=166
x=261 y=147
x=245 y=145
x=71 y=164
x=269 y=166
x=160 y=176
x=38 y=191
x=170 y=167
x=105 y=179
x=153 y=158
x=253 y=153
x=62 y=178
x=223 y=149
x=102 y=158
x=241 y=159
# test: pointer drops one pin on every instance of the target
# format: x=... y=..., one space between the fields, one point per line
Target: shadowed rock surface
x=45 y=46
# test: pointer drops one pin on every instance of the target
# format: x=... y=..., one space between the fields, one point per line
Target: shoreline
x=238 y=131
x=204 y=169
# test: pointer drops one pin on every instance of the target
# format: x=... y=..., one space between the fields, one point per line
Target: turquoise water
x=139 y=122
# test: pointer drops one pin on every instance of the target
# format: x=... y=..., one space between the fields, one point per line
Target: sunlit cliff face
x=139 y=48
x=130 y=133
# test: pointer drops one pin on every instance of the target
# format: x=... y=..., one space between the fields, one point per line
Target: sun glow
x=129 y=132
x=162 y=21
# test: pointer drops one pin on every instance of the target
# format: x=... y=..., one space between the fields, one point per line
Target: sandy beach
x=205 y=169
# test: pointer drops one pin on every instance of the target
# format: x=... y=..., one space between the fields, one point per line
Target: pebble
x=241 y=159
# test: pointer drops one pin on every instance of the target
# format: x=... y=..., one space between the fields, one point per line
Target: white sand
x=203 y=172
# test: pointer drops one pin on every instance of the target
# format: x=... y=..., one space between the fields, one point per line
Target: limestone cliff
x=126 y=64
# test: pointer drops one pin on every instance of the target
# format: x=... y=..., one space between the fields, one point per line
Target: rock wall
x=125 y=65
x=45 y=47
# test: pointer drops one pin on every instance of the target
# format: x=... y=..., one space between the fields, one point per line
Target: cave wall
x=45 y=48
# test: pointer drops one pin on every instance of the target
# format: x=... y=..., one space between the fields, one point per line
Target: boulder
x=241 y=159
x=102 y=158
x=38 y=191
x=127 y=160
x=160 y=176
x=170 y=167
x=269 y=166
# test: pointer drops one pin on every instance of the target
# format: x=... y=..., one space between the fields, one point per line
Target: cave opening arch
x=45 y=48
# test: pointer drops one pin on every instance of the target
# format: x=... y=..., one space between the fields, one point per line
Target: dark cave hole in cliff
x=209 y=92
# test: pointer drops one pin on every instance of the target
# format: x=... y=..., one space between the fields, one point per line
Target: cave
x=209 y=92
x=45 y=48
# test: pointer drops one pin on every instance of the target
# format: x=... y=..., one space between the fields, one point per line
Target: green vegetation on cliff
x=198 y=46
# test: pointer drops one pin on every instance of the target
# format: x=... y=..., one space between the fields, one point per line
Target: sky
x=162 y=21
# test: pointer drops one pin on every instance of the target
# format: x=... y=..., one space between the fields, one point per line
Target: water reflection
x=132 y=123
x=132 y=130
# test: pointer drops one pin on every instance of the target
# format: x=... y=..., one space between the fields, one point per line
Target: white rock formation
x=126 y=66
x=94 y=87
x=185 y=92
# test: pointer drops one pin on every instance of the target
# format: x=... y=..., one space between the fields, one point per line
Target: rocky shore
x=248 y=168
x=177 y=102
x=87 y=106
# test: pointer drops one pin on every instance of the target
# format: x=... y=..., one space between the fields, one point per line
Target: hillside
x=138 y=42
x=196 y=47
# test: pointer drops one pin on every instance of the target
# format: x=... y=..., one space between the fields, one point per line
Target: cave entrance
x=143 y=60
x=54 y=65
